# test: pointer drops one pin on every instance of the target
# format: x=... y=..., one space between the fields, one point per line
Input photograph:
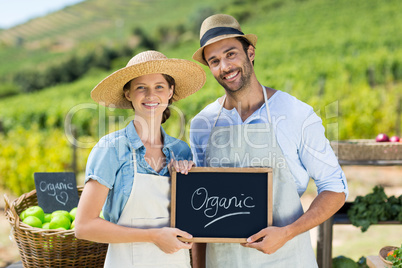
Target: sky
x=14 y=12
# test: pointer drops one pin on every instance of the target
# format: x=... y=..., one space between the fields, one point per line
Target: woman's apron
x=147 y=207
x=248 y=145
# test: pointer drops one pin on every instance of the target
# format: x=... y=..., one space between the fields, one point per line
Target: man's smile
x=231 y=76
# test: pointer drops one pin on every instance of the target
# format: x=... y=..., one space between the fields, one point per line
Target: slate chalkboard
x=56 y=190
x=221 y=204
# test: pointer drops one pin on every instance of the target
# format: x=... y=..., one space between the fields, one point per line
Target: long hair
x=171 y=82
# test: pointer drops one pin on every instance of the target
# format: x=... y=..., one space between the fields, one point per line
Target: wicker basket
x=362 y=150
x=50 y=248
x=383 y=254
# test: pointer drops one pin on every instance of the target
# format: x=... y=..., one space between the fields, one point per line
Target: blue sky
x=14 y=12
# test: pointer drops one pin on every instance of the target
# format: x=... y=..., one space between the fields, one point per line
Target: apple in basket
x=61 y=212
x=35 y=211
x=60 y=221
x=73 y=212
x=33 y=221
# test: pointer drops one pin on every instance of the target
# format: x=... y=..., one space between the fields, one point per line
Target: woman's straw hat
x=216 y=28
x=189 y=77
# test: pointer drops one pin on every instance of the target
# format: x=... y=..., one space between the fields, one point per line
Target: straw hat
x=216 y=28
x=189 y=78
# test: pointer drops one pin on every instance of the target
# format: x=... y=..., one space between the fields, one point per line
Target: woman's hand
x=166 y=239
x=182 y=166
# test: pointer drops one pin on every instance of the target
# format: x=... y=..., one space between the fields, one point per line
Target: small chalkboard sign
x=222 y=205
x=56 y=190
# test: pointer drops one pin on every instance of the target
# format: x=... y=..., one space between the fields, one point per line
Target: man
x=253 y=125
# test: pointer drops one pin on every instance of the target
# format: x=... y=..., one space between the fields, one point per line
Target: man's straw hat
x=216 y=28
x=189 y=77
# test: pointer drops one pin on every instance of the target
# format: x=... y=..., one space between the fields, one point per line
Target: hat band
x=217 y=31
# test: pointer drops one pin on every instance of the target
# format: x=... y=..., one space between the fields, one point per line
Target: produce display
x=395 y=256
x=60 y=219
x=384 y=138
x=375 y=207
x=34 y=216
x=345 y=262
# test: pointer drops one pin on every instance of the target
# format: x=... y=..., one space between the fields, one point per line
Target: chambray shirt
x=300 y=135
x=111 y=164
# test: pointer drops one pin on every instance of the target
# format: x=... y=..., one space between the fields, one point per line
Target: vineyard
x=344 y=58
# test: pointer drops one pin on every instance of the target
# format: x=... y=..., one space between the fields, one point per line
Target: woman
x=127 y=171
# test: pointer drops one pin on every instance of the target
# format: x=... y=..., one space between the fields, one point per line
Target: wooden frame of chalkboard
x=221 y=205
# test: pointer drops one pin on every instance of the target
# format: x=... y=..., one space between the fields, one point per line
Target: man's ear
x=251 y=52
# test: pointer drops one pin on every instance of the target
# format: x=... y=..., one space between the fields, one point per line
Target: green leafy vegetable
x=396 y=258
x=375 y=207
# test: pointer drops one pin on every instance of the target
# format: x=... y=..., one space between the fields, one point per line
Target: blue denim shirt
x=111 y=164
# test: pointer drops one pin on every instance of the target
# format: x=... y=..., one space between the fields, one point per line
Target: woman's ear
x=171 y=90
x=127 y=94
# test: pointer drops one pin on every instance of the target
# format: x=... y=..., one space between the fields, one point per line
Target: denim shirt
x=111 y=164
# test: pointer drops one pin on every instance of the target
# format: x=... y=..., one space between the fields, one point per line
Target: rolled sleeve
x=319 y=159
x=102 y=164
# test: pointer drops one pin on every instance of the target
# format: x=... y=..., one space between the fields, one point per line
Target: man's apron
x=248 y=145
x=147 y=207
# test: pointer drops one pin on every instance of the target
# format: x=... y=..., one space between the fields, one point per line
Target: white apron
x=147 y=207
x=250 y=145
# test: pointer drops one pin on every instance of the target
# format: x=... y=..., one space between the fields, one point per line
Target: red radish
x=394 y=139
x=381 y=138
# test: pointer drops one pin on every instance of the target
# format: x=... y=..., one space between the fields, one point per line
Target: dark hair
x=171 y=82
x=244 y=42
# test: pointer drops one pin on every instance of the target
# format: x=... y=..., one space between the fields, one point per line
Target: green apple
x=48 y=217
x=62 y=212
x=73 y=212
x=60 y=221
x=72 y=225
x=36 y=211
x=22 y=215
x=46 y=225
x=101 y=215
x=33 y=221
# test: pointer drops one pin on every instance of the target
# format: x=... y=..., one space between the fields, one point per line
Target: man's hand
x=268 y=240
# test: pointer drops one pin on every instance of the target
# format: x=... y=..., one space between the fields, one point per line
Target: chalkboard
x=56 y=190
x=225 y=205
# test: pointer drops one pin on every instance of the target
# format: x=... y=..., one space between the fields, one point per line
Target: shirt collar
x=136 y=142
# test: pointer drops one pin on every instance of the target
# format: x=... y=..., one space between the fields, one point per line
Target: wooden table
x=376 y=262
x=325 y=230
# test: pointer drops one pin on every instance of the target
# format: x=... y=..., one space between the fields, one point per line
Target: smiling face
x=229 y=64
x=149 y=95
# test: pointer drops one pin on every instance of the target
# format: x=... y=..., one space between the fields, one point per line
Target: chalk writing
x=58 y=190
x=211 y=204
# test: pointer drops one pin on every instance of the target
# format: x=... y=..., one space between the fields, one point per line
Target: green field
x=344 y=58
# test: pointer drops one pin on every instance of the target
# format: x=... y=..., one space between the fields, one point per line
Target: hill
x=89 y=24
x=344 y=58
